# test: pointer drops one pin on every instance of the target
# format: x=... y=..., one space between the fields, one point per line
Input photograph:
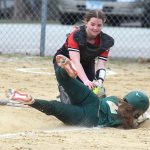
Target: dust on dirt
x=29 y=129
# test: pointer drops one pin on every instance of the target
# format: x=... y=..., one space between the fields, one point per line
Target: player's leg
x=66 y=63
x=76 y=90
x=85 y=114
x=65 y=75
x=68 y=114
x=63 y=96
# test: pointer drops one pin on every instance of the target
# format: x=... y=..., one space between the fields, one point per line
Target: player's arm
x=101 y=67
x=75 y=57
x=74 y=54
x=101 y=71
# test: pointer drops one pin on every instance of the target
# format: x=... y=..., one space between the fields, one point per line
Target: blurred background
x=39 y=27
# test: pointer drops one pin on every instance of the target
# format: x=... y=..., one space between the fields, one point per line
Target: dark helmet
x=138 y=100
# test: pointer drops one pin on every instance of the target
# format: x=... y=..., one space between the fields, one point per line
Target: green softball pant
x=85 y=104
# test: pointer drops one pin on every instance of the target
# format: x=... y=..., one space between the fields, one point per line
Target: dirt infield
x=28 y=129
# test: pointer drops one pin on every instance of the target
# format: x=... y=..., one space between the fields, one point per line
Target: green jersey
x=108 y=115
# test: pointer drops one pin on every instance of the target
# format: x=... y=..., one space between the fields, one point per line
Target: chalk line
x=35 y=71
x=46 y=131
x=43 y=71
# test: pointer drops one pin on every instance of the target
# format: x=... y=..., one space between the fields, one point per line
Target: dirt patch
x=29 y=129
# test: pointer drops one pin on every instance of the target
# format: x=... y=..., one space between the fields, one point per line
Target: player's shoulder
x=112 y=98
x=72 y=34
x=107 y=40
x=71 y=38
x=80 y=35
x=106 y=36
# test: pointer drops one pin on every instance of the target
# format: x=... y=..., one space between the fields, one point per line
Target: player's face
x=94 y=27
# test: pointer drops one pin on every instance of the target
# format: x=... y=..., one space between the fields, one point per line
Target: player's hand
x=97 y=83
x=99 y=89
x=89 y=84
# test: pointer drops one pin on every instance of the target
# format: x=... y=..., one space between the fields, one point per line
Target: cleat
x=66 y=63
x=20 y=97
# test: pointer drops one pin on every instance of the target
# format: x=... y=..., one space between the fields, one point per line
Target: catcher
x=86 y=108
x=83 y=46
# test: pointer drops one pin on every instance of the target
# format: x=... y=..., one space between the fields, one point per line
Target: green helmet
x=138 y=100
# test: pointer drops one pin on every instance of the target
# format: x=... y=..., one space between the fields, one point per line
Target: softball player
x=86 y=44
x=86 y=108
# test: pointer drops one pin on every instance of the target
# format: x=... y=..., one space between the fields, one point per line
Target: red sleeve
x=72 y=44
x=104 y=55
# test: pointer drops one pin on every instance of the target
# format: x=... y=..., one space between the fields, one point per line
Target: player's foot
x=66 y=63
x=18 y=96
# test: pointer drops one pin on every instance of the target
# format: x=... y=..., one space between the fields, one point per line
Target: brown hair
x=126 y=112
x=94 y=14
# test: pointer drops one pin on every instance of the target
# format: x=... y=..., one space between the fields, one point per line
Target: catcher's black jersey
x=76 y=41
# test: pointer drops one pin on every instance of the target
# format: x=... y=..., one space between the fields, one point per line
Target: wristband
x=100 y=74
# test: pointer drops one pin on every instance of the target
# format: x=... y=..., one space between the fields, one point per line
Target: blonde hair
x=94 y=14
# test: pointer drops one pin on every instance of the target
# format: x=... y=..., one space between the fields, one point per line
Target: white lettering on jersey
x=113 y=107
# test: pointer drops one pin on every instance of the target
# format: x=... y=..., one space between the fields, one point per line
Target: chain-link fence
x=39 y=27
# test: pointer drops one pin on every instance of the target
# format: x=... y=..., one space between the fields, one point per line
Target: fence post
x=43 y=26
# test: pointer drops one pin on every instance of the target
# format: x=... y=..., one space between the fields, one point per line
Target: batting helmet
x=138 y=100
